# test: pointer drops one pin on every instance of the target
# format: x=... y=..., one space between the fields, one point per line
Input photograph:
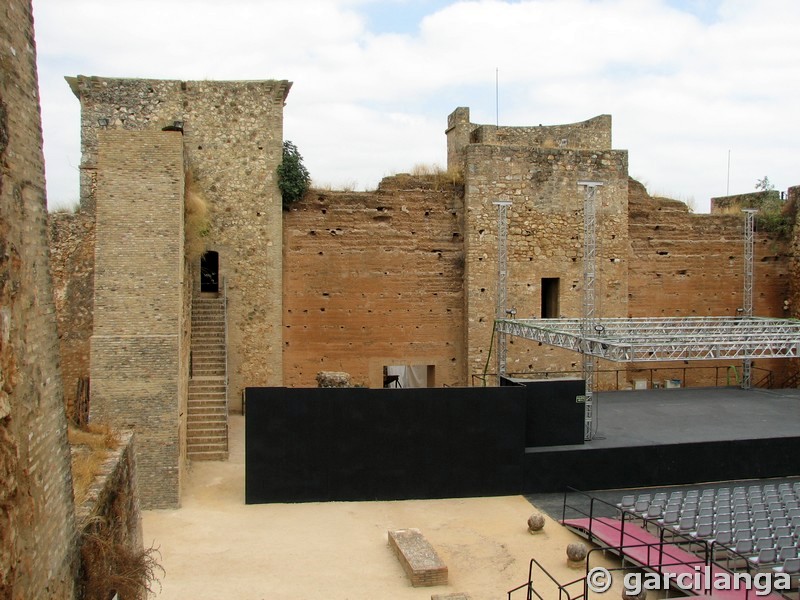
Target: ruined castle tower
x=537 y=169
x=140 y=139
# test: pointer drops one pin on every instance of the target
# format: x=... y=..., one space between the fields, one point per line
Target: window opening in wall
x=409 y=376
x=209 y=272
x=550 y=287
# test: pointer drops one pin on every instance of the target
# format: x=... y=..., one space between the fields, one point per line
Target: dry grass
x=347 y=186
x=92 y=445
x=197 y=216
x=111 y=567
x=439 y=175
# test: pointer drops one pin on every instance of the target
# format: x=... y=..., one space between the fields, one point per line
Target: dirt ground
x=216 y=547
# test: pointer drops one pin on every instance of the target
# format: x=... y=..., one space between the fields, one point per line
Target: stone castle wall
x=138 y=300
x=37 y=524
x=594 y=134
x=374 y=279
x=233 y=135
x=793 y=199
x=545 y=238
x=687 y=265
x=72 y=267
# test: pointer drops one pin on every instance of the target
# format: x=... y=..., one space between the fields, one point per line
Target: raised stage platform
x=675 y=436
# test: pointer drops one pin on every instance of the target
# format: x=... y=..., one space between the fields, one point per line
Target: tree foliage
x=293 y=177
x=764 y=185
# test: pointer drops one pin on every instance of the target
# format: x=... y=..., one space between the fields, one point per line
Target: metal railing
x=618 y=379
x=225 y=321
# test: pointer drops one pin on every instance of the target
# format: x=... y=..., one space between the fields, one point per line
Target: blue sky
x=686 y=81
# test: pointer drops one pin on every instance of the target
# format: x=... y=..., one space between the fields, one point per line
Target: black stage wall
x=362 y=444
x=647 y=465
x=554 y=416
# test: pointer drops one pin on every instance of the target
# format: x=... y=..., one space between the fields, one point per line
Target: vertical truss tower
x=589 y=276
x=502 y=281
x=747 y=301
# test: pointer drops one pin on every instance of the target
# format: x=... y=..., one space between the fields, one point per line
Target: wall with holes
x=687 y=265
x=375 y=279
x=537 y=170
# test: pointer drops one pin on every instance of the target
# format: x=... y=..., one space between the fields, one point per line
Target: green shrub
x=293 y=177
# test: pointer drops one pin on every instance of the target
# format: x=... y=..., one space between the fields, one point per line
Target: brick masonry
x=538 y=170
x=356 y=281
x=690 y=265
x=418 y=558
x=233 y=135
x=37 y=525
x=72 y=267
x=374 y=279
x=136 y=366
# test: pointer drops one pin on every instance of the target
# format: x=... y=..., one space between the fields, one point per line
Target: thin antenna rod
x=497 y=96
x=728 y=186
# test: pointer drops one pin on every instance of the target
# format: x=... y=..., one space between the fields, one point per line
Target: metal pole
x=589 y=276
x=747 y=302
x=502 y=285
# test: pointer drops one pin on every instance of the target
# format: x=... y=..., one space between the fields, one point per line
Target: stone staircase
x=207 y=416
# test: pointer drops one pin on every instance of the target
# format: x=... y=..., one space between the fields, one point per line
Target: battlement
x=592 y=134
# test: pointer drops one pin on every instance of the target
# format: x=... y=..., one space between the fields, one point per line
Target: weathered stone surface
x=538 y=169
x=418 y=558
x=72 y=268
x=37 y=524
x=374 y=279
x=576 y=553
x=535 y=522
x=333 y=379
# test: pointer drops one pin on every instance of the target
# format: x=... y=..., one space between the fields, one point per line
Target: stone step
x=208 y=362
x=207 y=385
x=205 y=421
x=219 y=429
x=207 y=447
x=207 y=412
x=208 y=455
x=208 y=328
x=218 y=411
x=208 y=335
x=208 y=371
x=204 y=402
x=207 y=405
x=214 y=390
x=208 y=438
x=210 y=394
x=206 y=357
x=208 y=351
x=199 y=383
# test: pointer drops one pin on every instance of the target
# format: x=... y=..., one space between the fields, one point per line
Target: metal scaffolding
x=589 y=276
x=747 y=304
x=665 y=339
x=502 y=279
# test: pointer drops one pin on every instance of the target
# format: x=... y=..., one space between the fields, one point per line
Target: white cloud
x=684 y=86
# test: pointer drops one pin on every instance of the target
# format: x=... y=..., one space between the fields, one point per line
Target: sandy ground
x=216 y=547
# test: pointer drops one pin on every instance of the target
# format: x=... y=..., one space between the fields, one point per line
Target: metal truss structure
x=664 y=339
x=502 y=275
x=747 y=308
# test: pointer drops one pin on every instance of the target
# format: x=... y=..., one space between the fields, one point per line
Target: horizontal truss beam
x=663 y=339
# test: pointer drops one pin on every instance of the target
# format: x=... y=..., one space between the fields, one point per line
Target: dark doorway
x=209 y=272
x=550 y=287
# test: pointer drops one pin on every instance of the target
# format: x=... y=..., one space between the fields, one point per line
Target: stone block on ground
x=418 y=558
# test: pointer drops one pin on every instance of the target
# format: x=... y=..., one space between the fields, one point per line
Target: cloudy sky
x=688 y=82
